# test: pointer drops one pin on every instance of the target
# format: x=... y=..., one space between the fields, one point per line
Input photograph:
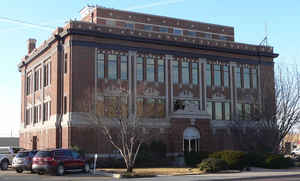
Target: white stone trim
x=183 y=29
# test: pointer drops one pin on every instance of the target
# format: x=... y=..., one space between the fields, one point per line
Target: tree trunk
x=129 y=169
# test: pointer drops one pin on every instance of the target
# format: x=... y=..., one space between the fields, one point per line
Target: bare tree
x=274 y=112
x=125 y=132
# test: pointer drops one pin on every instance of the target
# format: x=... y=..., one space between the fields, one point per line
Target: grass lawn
x=158 y=171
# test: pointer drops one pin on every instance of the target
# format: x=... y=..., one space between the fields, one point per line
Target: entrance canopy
x=191 y=133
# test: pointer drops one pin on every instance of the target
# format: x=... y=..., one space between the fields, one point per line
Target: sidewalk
x=255 y=173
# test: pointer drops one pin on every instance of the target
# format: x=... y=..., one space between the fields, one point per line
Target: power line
x=25 y=23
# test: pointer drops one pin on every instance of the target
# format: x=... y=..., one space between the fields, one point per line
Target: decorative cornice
x=170 y=52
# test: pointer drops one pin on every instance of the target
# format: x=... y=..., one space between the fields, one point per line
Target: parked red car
x=58 y=161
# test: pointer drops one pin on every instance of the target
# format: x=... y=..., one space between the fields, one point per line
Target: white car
x=296 y=152
x=6 y=156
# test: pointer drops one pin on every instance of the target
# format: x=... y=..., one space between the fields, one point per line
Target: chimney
x=31 y=45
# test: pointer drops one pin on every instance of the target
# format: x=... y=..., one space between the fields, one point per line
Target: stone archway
x=191 y=139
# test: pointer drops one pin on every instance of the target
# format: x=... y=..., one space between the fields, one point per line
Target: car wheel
x=19 y=170
x=4 y=165
x=86 y=168
x=40 y=173
x=60 y=170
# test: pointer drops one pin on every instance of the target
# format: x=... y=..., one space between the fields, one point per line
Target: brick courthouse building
x=164 y=62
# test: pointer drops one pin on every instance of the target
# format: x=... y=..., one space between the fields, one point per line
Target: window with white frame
x=185 y=73
x=46 y=110
x=100 y=65
x=175 y=71
x=208 y=74
x=246 y=77
x=217 y=75
x=112 y=67
x=28 y=84
x=47 y=74
x=226 y=75
x=238 y=83
x=37 y=79
x=140 y=68
x=161 y=70
x=124 y=68
x=150 y=69
x=195 y=73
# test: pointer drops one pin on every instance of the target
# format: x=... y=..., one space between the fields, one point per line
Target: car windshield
x=22 y=154
x=43 y=154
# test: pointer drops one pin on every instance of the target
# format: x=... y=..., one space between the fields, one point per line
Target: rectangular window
x=238 y=77
x=177 y=31
x=195 y=73
x=209 y=108
x=28 y=116
x=112 y=67
x=185 y=73
x=175 y=71
x=148 y=27
x=246 y=78
x=217 y=75
x=129 y=25
x=35 y=114
x=254 y=78
x=66 y=66
x=163 y=29
x=208 y=36
x=150 y=69
x=28 y=84
x=36 y=79
x=45 y=112
x=191 y=33
x=239 y=110
x=65 y=104
x=218 y=110
x=208 y=74
x=124 y=68
x=66 y=63
x=110 y=23
x=46 y=74
x=161 y=70
x=247 y=111
x=226 y=76
x=100 y=65
x=140 y=68
x=223 y=37
x=227 y=110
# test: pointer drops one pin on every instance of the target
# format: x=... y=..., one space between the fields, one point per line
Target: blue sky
x=247 y=17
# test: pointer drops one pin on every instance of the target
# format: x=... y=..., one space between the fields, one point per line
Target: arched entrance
x=191 y=139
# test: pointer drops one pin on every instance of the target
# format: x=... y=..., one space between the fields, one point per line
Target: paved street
x=256 y=174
